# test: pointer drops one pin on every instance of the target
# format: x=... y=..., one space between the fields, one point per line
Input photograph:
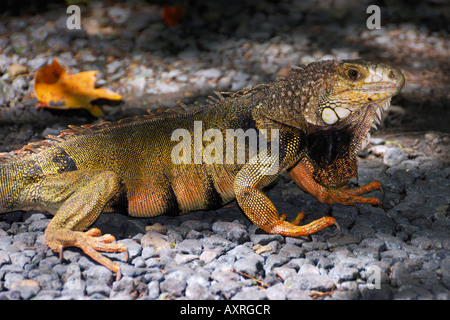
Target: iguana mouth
x=376 y=87
x=334 y=112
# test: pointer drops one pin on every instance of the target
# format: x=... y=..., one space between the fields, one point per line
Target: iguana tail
x=15 y=177
x=19 y=171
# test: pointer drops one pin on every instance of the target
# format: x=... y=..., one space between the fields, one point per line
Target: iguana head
x=351 y=89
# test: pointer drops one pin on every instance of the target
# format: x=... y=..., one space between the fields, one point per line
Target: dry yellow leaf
x=54 y=88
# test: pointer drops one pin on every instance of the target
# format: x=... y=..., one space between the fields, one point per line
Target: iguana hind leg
x=302 y=174
x=81 y=197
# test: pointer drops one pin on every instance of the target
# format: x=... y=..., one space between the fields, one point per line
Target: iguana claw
x=91 y=242
x=303 y=177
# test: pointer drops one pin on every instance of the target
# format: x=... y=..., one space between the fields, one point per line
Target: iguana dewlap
x=148 y=166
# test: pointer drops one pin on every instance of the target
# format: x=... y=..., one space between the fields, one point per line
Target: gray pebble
x=307 y=269
x=190 y=246
x=184 y=258
x=209 y=255
x=392 y=256
x=412 y=292
x=138 y=262
x=196 y=225
x=4 y=258
x=284 y=272
x=36 y=63
x=97 y=287
x=217 y=241
x=198 y=288
x=26 y=239
x=366 y=252
x=391 y=242
x=243 y=251
x=20 y=259
x=153 y=289
x=310 y=246
x=422 y=243
x=19 y=84
x=132 y=271
x=339 y=273
x=341 y=241
x=226 y=289
x=174 y=283
x=240 y=80
x=98 y=272
x=394 y=156
x=292 y=251
x=310 y=281
x=264 y=239
x=48 y=295
x=231 y=230
x=374 y=243
x=123 y=289
x=251 y=293
x=276 y=292
x=384 y=293
x=298 y=295
x=39 y=225
x=148 y=252
x=211 y=73
x=133 y=247
x=275 y=260
x=251 y=266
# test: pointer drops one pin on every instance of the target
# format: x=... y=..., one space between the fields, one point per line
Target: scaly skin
x=322 y=112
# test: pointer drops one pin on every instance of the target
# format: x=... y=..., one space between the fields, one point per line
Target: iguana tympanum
x=320 y=115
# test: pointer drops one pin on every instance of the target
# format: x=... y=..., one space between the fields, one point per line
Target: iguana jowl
x=323 y=112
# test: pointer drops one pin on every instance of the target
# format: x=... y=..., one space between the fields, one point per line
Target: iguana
x=320 y=114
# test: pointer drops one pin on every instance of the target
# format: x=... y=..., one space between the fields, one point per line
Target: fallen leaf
x=56 y=89
x=172 y=15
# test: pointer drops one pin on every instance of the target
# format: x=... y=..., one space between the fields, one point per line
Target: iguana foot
x=79 y=206
x=302 y=175
x=346 y=196
x=91 y=242
x=292 y=229
x=316 y=224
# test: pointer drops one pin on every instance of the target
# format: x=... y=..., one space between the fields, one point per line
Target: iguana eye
x=352 y=74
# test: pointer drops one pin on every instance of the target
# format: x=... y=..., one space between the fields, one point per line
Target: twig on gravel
x=317 y=294
x=250 y=277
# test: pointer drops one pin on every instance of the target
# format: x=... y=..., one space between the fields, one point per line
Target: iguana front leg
x=81 y=197
x=302 y=174
x=260 y=210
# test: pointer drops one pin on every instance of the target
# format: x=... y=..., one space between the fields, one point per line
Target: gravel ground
x=400 y=251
